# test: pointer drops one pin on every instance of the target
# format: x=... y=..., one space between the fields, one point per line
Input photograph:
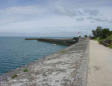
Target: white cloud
x=22 y=11
x=54 y=15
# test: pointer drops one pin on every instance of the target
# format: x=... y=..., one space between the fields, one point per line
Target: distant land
x=42 y=34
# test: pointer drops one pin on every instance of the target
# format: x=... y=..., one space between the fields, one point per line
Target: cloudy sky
x=53 y=17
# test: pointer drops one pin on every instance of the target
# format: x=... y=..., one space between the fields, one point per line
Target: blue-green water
x=16 y=52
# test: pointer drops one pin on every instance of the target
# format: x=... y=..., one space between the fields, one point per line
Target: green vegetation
x=103 y=36
x=14 y=76
x=63 y=51
x=85 y=36
x=25 y=70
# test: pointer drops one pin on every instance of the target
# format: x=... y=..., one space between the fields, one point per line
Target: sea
x=16 y=52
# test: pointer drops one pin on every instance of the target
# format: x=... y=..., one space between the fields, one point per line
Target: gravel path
x=100 y=65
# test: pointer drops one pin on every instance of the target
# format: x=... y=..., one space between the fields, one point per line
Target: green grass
x=25 y=70
x=101 y=41
x=109 y=37
x=63 y=51
x=14 y=76
x=97 y=39
x=110 y=46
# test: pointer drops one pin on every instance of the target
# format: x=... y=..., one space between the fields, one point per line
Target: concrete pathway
x=100 y=65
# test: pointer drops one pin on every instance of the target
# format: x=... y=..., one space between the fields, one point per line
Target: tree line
x=101 y=32
x=103 y=35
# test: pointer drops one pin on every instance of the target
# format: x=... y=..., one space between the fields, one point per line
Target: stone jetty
x=62 y=41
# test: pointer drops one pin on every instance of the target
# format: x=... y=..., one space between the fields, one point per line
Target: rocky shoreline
x=65 y=68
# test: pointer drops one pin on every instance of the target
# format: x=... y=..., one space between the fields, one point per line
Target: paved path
x=100 y=65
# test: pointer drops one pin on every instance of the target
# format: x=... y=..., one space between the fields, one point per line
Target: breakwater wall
x=57 y=41
x=67 y=67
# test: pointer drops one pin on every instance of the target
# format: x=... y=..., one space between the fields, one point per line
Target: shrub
x=14 y=76
x=110 y=46
x=25 y=70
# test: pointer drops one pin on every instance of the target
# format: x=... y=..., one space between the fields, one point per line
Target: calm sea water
x=16 y=52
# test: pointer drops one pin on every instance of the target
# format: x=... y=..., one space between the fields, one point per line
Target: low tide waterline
x=16 y=52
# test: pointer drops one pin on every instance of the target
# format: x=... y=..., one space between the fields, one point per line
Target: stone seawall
x=67 y=67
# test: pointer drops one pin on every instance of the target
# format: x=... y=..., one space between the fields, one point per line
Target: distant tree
x=106 y=32
x=85 y=36
x=97 y=32
x=101 y=33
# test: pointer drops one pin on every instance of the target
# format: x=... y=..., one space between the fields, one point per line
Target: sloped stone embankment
x=65 y=68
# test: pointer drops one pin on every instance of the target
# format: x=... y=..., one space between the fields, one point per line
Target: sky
x=53 y=17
